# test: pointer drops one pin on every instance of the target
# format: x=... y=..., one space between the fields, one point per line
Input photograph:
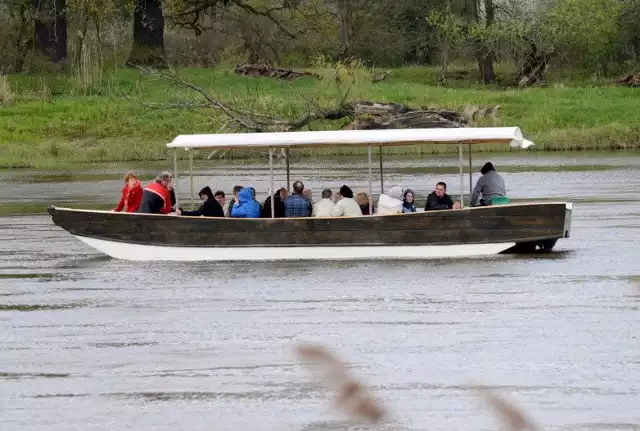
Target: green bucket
x=500 y=200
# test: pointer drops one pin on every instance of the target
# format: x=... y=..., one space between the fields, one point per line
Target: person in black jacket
x=209 y=208
x=440 y=200
x=278 y=198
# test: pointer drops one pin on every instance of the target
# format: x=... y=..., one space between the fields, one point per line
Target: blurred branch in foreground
x=358 y=402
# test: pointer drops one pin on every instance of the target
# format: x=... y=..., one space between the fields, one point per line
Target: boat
x=466 y=232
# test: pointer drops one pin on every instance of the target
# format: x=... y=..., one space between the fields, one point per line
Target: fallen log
x=388 y=115
x=534 y=68
x=270 y=72
x=629 y=80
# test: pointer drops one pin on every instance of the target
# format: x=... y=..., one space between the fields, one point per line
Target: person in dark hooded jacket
x=246 y=206
x=209 y=208
x=278 y=198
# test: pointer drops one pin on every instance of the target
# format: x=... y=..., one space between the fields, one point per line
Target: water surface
x=91 y=343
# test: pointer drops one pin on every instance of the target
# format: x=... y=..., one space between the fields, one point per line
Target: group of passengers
x=159 y=198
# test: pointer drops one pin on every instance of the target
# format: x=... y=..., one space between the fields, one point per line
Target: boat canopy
x=356 y=138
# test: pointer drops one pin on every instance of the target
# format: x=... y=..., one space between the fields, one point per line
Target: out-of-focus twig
x=513 y=418
x=353 y=396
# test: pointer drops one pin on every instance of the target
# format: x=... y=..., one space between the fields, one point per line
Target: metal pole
x=175 y=175
x=191 y=177
x=370 y=185
x=461 y=175
x=271 y=192
x=286 y=154
x=470 y=172
x=381 y=175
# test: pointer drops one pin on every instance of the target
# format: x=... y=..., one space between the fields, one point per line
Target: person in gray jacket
x=490 y=185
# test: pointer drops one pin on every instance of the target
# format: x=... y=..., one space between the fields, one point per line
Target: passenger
x=408 y=204
x=246 y=205
x=221 y=198
x=209 y=208
x=346 y=206
x=232 y=202
x=363 y=200
x=297 y=204
x=155 y=197
x=440 y=200
x=278 y=200
x=323 y=207
x=131 y=194
x=253 y=195
x=391 y=202
x=172 y=192
x=490 y=185
x=308 y=193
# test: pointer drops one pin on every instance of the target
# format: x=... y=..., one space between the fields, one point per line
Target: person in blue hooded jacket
x=246 y=206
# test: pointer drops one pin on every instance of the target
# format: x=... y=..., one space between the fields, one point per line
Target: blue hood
x=245 y=196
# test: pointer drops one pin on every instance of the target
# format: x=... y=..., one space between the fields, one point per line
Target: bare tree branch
x=266 y=13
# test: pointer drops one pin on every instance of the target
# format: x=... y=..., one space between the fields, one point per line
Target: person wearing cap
x=489 y=185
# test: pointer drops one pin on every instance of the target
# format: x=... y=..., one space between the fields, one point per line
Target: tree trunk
x=485 y=67
x=24 y=39
x=485 y=54
x=50 y=28
x=345 y=13
x=148 y=35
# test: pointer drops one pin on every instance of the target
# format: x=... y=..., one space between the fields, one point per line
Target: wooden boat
x=473 y=231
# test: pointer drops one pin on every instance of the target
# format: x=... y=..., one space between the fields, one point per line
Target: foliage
x=582 y=32
x=51 y=121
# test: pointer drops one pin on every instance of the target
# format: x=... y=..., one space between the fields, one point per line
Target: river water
x=91 y=343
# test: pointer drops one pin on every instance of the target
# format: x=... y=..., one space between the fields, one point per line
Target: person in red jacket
x=156 y=198
x=131 y=194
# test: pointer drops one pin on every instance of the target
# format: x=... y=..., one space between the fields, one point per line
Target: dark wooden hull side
x=499 y=224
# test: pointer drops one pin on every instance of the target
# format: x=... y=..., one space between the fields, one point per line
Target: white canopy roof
x=477 y=135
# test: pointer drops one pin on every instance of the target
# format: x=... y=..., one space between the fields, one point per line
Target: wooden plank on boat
x=508 y=223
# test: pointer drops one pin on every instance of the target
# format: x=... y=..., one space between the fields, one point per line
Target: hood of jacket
x=386 y=201
x=396 y=193
x=245 y=195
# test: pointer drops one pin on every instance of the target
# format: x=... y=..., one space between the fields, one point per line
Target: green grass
x=49 y=122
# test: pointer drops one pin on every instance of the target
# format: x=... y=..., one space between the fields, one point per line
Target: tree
x=50 y=28
x=148 y=35
x=485 y=53
x=582 y=32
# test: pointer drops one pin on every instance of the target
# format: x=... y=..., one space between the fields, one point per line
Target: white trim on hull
x=137 y=252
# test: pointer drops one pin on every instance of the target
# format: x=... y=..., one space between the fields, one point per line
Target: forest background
x=79 y=79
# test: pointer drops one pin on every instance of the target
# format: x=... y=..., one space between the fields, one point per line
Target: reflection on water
x=93 y=343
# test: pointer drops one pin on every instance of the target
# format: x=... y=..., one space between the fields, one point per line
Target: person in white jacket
x=346 y=206
x=323 y=207
x=391 y=202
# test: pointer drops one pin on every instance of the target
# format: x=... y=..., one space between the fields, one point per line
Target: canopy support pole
x=191 y=177
x=370 y=185
x=271 y=192
x=470 y=173
x=461 y=174
x=286 y=154
x=175 y=175
x=381 y=175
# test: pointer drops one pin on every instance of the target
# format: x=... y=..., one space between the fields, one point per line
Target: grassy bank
x=51 y=120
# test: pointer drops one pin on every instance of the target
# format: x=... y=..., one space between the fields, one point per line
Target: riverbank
x=54 y=120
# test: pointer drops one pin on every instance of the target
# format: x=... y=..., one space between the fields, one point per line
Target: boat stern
x=567 y=219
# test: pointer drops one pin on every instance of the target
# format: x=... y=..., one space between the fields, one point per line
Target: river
x=91 y=343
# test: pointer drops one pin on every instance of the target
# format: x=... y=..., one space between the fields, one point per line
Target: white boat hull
x=138 y=252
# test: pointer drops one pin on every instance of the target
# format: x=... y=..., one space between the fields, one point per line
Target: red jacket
x=130 y=200
x=157 y=190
